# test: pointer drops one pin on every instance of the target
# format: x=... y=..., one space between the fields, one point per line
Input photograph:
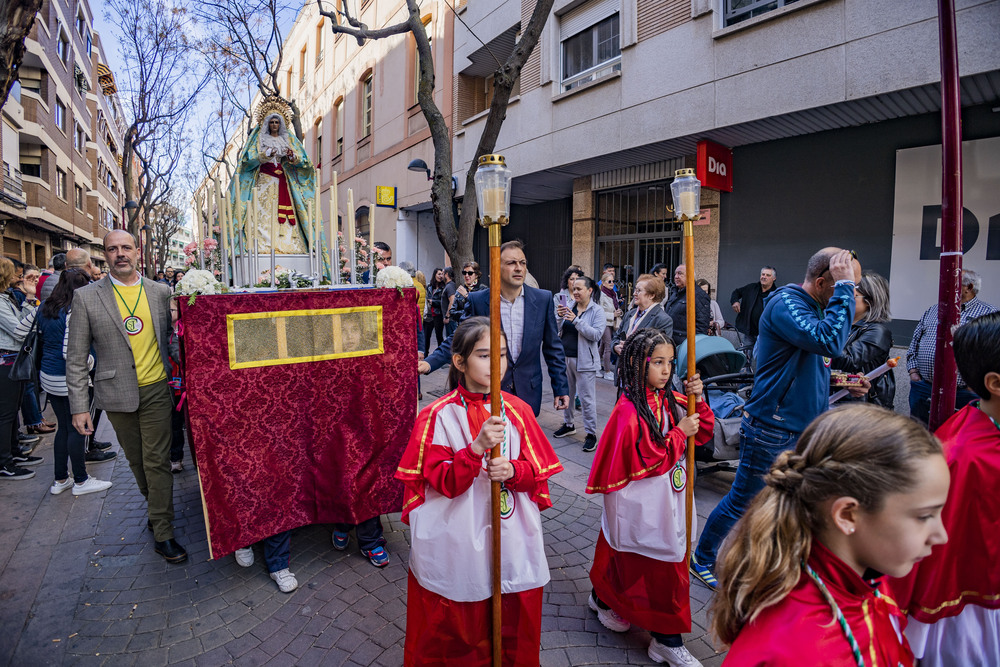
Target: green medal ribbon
x=133 y=323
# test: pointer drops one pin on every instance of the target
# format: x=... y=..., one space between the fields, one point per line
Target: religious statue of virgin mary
x=275 y=167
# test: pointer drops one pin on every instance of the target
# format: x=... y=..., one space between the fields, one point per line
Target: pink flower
x=217 y=273
x=210 y=245
x=217 y=229
x=358 y=239
x=189 y=260
x=190 y=248
x=343 y=250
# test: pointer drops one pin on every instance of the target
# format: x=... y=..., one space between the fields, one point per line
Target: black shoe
x=171 y=551
x=564 y=430
x=25 y=460
x=25 y=439
x=97 y=456
x=11 y=471
x=97 y=444
x=590 y=443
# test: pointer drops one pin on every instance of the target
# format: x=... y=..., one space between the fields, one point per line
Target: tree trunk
x=16 y=19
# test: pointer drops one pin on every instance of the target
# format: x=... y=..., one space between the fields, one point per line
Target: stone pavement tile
x=242 y=645
x=555 y=657
x=253 y=658
x=215 y=638
x=391 y=657
x=142 y=641
x=184 y=650
x=213 y=658
x=329 y=638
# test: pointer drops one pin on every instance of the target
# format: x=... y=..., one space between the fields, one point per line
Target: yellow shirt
x=421 y=297
x=148 y=362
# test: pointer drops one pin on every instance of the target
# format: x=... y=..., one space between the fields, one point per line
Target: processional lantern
x=686 y=193
x=493 y=181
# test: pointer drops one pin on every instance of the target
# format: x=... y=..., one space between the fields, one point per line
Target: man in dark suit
x=529 y=322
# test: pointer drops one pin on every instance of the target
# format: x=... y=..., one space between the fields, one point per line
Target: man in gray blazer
x=125 y=319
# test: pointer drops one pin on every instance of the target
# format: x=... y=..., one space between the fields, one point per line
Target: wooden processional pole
x=493 y=216
x=691 y=370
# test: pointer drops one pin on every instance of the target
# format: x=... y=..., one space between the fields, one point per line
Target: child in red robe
x=640 y=573
x=801 y=575
x=447 y=475
x=953 y=596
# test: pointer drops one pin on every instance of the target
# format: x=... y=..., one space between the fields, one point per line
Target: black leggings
x=435 y=326
x=68 y=442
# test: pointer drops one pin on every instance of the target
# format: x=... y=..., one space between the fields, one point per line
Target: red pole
x=949 y=289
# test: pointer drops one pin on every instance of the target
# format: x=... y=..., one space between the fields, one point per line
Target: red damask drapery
x=285 y=443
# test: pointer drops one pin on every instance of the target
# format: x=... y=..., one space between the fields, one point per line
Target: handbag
x=25 y=366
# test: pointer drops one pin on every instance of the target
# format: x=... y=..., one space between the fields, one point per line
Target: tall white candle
x=334 y=232
x=223 y=240
x=349 y=236
x=688 y=206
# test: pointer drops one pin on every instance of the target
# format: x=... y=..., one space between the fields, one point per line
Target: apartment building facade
x=825 y=113
x=61 y=140
x=360 y=119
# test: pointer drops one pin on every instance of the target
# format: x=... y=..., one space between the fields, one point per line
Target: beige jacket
x=97 y=323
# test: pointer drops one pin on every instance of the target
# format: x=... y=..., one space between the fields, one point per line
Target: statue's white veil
x=266 y=140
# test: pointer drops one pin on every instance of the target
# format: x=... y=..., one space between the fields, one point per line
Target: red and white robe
x=953 y=595
x=447 y=506
x=801 y=630
x=640 y=569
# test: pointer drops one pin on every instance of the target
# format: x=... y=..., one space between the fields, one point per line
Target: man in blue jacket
x=801 y=330
x=529 y=322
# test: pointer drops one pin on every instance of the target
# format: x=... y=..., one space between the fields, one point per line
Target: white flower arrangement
x=393 y=276
x=198 y=281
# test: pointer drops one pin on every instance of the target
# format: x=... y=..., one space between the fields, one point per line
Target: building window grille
x=61 y=115
x=592 y=53
x=60 y=183
x=737 y=11
x=366 y=106
x=78 y=193
x=62 y=48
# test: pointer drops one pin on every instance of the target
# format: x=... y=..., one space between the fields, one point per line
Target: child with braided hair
x=801 y=576
x=640 y=573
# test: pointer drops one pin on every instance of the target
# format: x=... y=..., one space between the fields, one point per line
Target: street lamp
x=493 y=181
x=129 y=206
x=419 y=165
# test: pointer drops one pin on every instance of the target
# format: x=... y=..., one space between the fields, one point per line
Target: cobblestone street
x=81 y=584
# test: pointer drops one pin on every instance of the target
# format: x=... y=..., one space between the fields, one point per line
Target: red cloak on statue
x=640 y=566
x=446 y=504
x=800 y=630
x=286 y=208
x=965 y=570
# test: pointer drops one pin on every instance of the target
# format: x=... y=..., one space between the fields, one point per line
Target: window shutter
x=585 y=16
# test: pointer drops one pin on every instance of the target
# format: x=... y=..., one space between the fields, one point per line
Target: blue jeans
x=277 y=550
x=369 y=532
x=30 y=412
x=920 y=400
x=760 y=444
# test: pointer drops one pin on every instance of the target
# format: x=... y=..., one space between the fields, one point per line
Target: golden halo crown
x=274 y=104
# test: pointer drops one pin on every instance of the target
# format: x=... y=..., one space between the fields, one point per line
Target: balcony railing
x=12 y=185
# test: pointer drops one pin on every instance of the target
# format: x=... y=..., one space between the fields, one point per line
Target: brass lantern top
x=494 y=158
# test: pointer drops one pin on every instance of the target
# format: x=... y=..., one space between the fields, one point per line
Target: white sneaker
x=610 y=375
x=176 y=466
x=91 y=485
x=244 y=557
x=286 y=580
x=677 y=657
x=608 y=618
x=58 y=487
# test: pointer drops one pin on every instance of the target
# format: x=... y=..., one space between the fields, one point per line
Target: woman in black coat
x=433 y=317
x=870 y=341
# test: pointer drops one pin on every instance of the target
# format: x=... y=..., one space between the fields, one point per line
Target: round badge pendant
x=678 y=478
x=507 y=503
x=133 y=325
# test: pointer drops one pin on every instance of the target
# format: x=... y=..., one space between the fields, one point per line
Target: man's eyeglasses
x=468 y=273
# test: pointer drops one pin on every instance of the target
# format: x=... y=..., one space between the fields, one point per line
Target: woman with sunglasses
x=870 y=340
x=469 y=283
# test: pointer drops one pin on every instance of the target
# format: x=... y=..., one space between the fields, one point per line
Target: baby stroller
x=727 y=385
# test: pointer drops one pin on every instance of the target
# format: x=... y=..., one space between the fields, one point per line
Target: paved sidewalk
x=81 y=585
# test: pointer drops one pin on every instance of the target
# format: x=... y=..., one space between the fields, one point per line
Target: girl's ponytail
x=862 y=451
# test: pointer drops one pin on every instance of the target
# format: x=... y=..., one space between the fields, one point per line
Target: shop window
x=60 y=183
x=366 y=105
x=593 y=53
x=737 y=11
